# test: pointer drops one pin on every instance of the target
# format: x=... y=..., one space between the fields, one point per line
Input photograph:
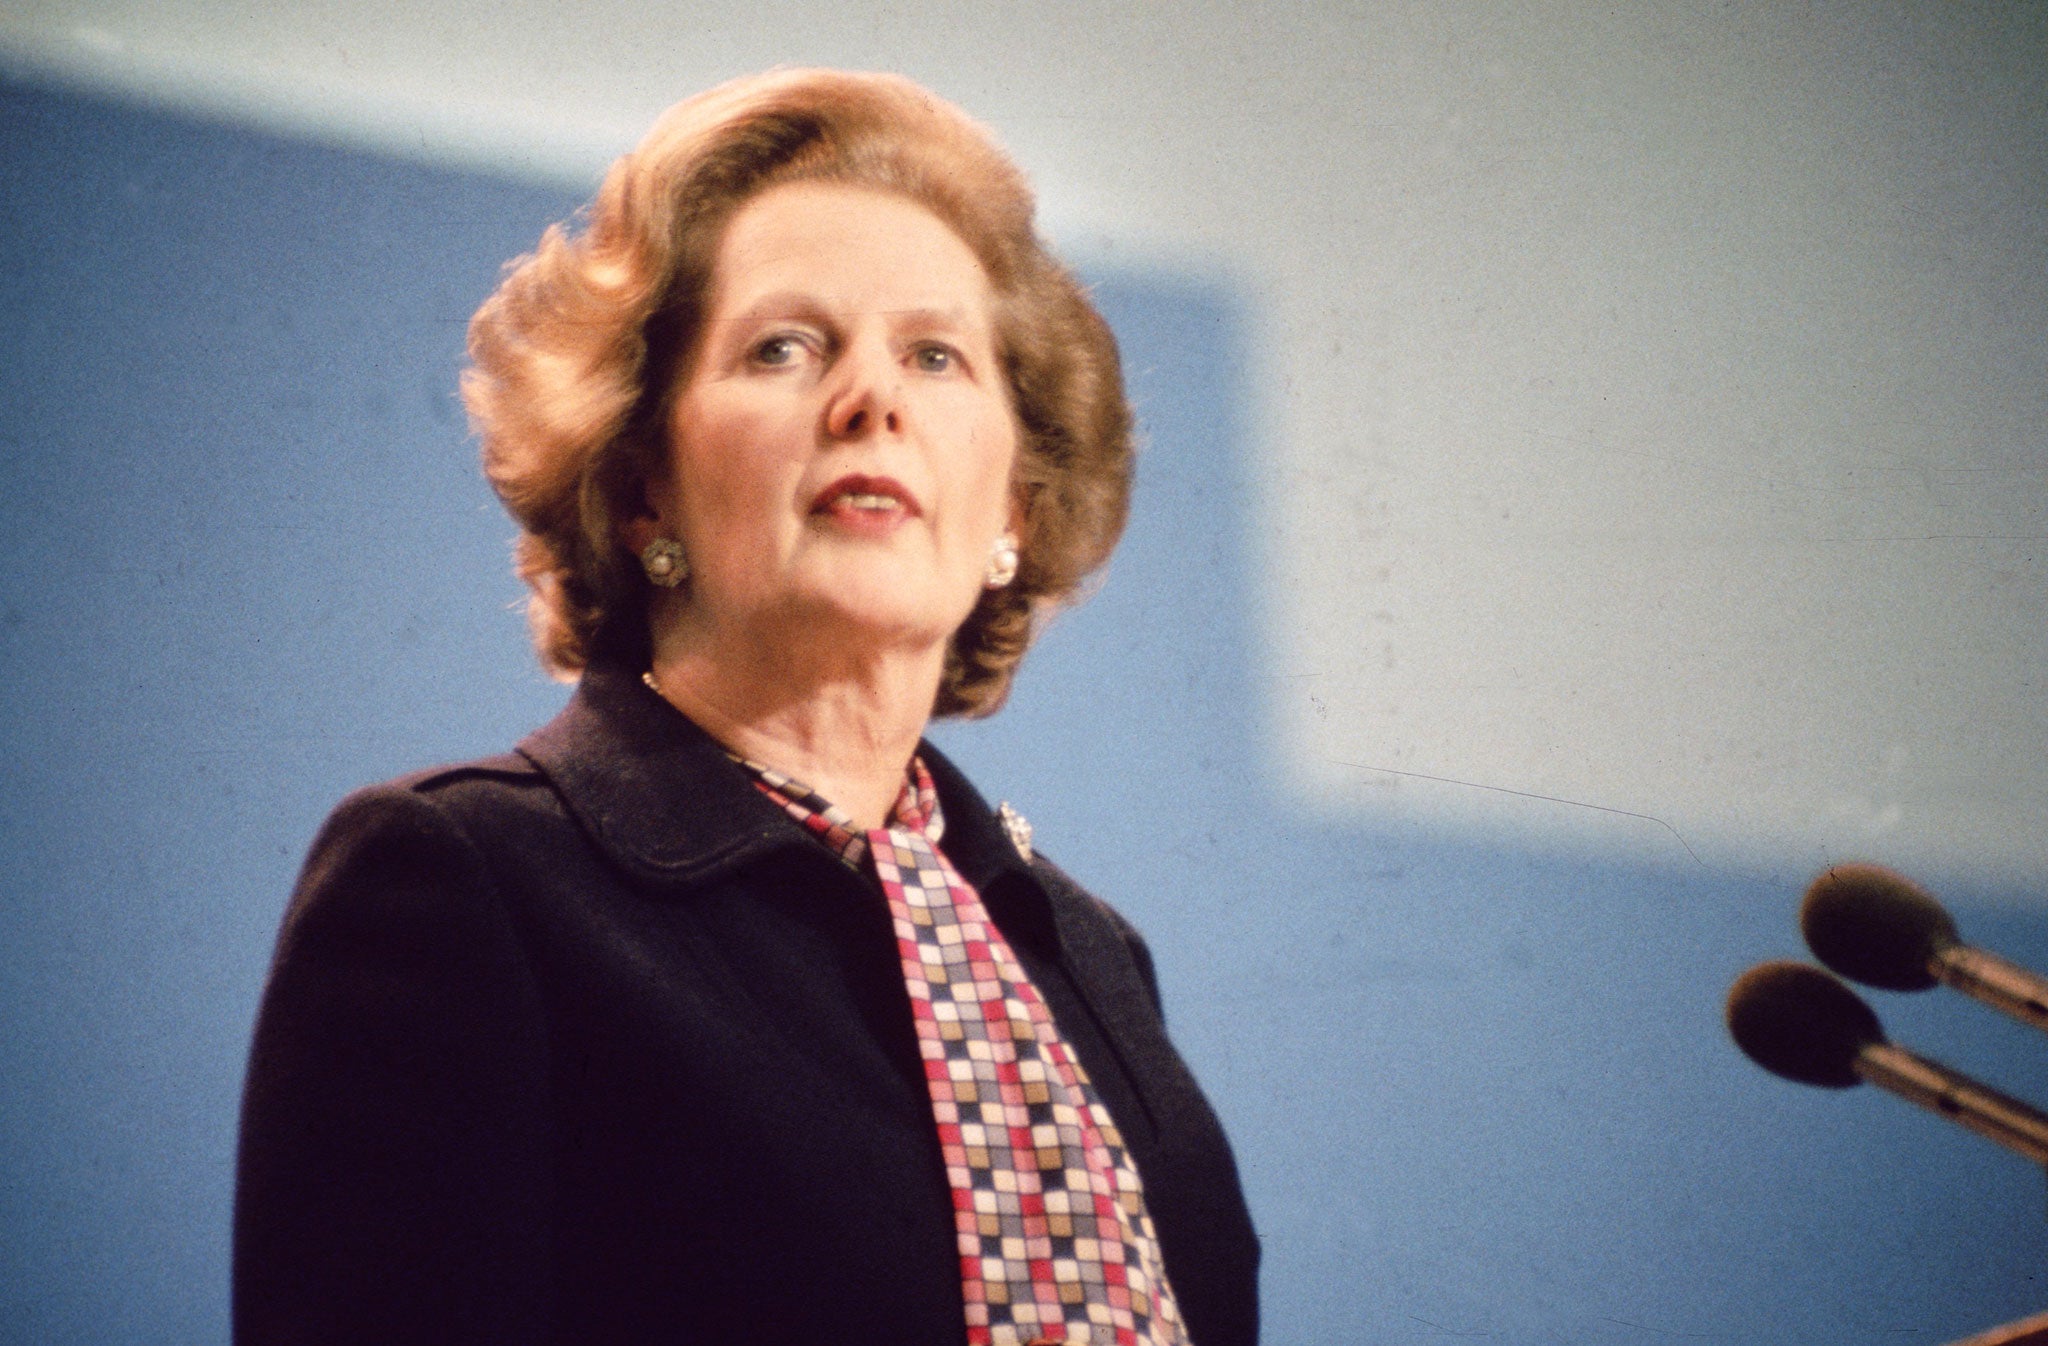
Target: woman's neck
x=844 y=727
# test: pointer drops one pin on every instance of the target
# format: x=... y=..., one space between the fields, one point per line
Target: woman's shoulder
x=451 y=818
x=466 y=795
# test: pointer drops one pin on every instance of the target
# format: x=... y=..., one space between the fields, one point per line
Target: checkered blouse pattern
x=1055 y=1241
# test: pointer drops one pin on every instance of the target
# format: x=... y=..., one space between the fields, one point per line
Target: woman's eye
x=777 y=350
x=934 y=359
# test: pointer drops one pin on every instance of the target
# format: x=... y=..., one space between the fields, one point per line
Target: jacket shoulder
x=430 y=832
x=425 y=821
x=470 y=797
x=508 y=766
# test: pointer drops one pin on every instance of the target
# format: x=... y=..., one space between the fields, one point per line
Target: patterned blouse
x=1055 y=1241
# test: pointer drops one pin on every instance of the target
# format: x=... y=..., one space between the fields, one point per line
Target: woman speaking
x=725 y=1010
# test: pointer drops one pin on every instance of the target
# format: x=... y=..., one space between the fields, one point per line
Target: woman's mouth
x=866 y=500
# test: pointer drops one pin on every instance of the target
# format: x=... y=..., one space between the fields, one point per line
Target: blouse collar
x=916 y=809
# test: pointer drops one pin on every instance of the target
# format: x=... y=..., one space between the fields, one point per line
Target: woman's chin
x=850 y=619
x=885 y=622
x=894 y=604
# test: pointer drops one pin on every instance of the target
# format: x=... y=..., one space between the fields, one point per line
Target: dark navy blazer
x=593 y=1044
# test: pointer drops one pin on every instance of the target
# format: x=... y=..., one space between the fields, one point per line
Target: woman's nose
x=866 y=396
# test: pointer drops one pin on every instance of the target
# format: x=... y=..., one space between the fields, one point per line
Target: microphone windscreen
x=1876 y=927
x=1795 y=1020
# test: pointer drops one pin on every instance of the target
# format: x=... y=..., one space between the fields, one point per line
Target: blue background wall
x=249 y=564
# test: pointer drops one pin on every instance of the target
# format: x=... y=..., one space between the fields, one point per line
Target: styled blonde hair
x=575 y=359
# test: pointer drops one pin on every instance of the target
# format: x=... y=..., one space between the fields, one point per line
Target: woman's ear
x=641 y=523
x=1019 y=513
x=635 y=533
x=1014 y=528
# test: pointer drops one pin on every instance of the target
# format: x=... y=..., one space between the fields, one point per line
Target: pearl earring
x=1002 y=564
x=664 y=562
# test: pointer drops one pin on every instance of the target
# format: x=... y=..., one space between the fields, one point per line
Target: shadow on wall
x=250 y=564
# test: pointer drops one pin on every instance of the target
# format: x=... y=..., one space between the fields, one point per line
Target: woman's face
x=840 y=450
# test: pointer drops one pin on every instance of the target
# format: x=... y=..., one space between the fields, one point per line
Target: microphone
x=1882 y=929
x=1797 y=1021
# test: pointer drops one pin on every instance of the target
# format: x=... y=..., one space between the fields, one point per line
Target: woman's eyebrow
x=776 y=304
x=953 y=318
x=804 y=304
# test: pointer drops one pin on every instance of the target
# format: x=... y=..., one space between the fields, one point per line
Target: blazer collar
x=660 y=796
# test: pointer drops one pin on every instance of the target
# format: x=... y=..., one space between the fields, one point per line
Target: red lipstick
x=869 y=504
